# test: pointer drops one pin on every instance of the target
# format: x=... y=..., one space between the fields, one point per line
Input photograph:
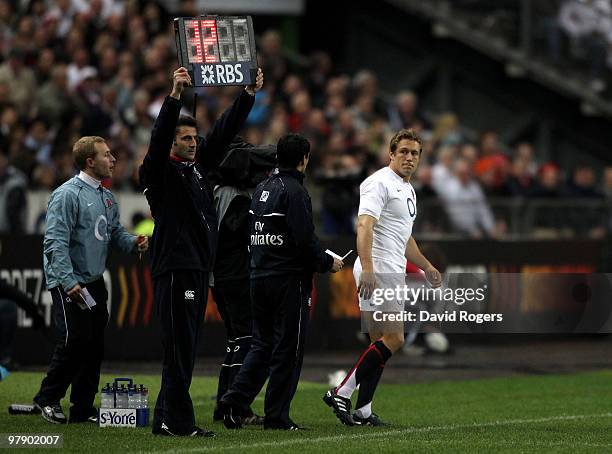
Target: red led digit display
x=209 y=32
x=195 y=44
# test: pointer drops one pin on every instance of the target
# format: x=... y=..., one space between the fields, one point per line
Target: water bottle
x=122 y=397
x=137 y=398
x=133 y=397
x=107 y=397
x=144 y=397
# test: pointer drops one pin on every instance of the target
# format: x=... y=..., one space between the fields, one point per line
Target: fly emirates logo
x=265 y=239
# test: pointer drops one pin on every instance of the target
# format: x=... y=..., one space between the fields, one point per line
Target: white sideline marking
x=370 y=435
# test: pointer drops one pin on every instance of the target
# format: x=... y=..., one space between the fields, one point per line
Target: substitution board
x=217 y=50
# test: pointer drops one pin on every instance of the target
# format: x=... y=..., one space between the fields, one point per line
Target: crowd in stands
x=102 y=67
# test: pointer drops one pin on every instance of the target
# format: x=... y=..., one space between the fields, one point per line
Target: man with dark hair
x=387 y=210
x=82 y=222
x=285 y=252
x=184 y=242
x=13 y=200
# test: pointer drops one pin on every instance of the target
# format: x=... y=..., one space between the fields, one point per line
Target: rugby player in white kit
x=387 y=210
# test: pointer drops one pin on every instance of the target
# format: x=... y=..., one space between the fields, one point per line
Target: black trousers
x=78 y=352
x=233 y=299
x=180 y=304
x=280 y=318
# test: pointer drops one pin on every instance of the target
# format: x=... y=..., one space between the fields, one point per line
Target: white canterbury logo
x=189 y=294
x=264 y=196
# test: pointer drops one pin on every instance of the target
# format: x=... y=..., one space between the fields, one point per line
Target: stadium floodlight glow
x=217 y=50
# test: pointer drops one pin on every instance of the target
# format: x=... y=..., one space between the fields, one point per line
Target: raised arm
x=162 y=134
x=221 y=134
x=151 y=172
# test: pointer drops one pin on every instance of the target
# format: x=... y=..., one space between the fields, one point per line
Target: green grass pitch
x=552 y=413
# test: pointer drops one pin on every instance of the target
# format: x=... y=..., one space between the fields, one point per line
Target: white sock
x=365 y=411
x=349 y=384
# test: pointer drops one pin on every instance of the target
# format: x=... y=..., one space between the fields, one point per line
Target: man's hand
x=180 y=80
x=337 y=266
x=367 y=284
x=142 y=243
x=433 y=276
x=75 y=294
x=254 y=88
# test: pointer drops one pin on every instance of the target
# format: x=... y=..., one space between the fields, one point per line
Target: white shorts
x=388 y=277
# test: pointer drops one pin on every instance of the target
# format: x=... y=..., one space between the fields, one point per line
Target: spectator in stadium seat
x=492 y=173
x=520 y=182
x=526 y=152
x=548 y=184
x=469 y=152
x=547 y=219
x=405 y=114
x=586 y=218
x=339 y=177
x=300 y=108
x=365 y=83
x=442 y=170
x=20 y=79
x=97 y=118
x=39 y=140
x=446 y=130
x=488 y=144
x=318 y=75
x=13 y=202
x=583 y=183
x=465 y=203
x=271 y=54
x=53 y=98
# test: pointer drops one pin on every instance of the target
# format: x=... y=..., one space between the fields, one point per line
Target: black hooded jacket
x=180 y=195
x=283 y=240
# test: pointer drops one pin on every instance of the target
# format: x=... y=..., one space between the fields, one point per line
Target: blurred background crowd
x=102 y=67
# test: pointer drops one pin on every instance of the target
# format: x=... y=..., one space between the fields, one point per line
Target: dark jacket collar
x=292 y=173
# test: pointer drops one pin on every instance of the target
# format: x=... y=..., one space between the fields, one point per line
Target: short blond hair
x=402 y=134
x=85 y=148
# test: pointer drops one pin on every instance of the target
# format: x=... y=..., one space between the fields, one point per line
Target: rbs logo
x=222 y=74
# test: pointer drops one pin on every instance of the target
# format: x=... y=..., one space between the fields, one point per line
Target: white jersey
x=385 y=196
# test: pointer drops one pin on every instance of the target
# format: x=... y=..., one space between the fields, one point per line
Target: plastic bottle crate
x=120 y=415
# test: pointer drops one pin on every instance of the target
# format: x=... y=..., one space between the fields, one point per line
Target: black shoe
x=53 y=414
x=232 y=419
x=341 y=406
x=77 y=417
x=165 y=431
x=253 y=420
x=372 y=420
x=290 y=425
